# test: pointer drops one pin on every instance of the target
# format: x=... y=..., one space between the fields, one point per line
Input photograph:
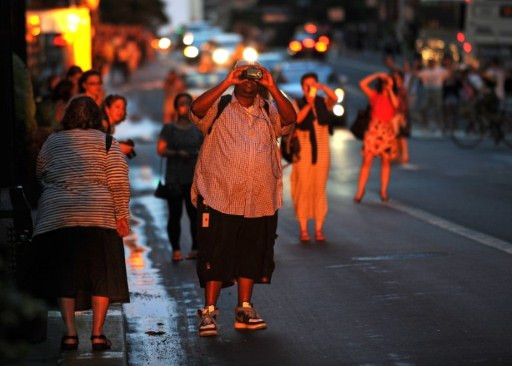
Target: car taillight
x=295 y=46
x=309 y=42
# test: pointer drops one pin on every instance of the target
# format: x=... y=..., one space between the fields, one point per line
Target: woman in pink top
x=380 y=138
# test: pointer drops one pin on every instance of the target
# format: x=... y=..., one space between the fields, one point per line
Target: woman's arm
x=364 y=84
x=164 y=151
x=331 y=95
x=303 y=112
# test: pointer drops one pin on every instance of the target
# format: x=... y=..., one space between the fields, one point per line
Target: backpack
x=223 y=103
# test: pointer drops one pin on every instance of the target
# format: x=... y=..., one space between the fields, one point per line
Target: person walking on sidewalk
x=380 y=138
x=237 y=188
x=81 y=219
x=433 y=78
x=310 y=172
x=180 y=143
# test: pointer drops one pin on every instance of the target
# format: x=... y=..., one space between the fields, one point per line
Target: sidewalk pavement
x=48 y=352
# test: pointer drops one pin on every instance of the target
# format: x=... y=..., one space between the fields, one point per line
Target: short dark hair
x=307 y=76
x=109 y=100
x=73 y=70
x=82 y=112
x=63 y=91
x=86 y=75
x=181 y=95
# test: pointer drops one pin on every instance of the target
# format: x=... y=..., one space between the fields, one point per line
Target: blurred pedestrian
x=380 y=138
x=114 y=112
x=402 y=117
x=83 y=214
x=495 y=75
x=310 y=172
x=90 y=84
x=433 y=78
x=74 y=74
x=180 y=142
x=237 y=188
x=173 y=85
x=61 y=96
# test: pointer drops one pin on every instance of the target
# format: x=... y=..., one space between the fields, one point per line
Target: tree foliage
x=148 y=13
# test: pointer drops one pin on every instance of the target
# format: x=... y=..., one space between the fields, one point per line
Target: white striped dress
x=83 y=185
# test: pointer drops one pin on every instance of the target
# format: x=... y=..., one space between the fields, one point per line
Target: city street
x=423 y=279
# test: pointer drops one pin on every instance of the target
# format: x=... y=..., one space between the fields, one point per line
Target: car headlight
x=250 y=54
x=338 y=110
x=164 y=43
x=220 y=56
x=188 y=39
x=340 y=93
x=191 y=52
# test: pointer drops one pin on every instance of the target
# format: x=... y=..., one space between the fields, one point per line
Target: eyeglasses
x=94 y=83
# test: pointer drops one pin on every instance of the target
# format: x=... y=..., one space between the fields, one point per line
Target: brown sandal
x=103 y=346
x=68 y=346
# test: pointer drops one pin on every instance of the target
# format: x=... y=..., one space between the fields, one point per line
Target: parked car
x=288 y=74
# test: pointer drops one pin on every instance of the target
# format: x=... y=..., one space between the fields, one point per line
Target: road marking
x=474 y=235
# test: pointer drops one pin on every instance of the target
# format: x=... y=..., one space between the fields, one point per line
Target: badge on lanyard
x=206 y=219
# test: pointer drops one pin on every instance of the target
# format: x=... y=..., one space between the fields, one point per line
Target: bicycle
x=481 y=118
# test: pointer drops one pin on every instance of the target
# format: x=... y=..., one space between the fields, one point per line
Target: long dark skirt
x=79 y=262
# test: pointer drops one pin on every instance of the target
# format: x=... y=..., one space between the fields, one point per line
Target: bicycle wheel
x=467 y=132
x=506 y=129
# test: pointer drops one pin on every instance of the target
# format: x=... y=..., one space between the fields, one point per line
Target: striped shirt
x=238 y=171
x=83 y=185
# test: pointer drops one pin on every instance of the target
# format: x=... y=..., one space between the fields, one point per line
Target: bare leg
x=364 y=173
x=211 y=292
x=404 y=150
x=67 y=310
x=99 y=313
x=384 y=176
x=303 y=225
x=245 y=286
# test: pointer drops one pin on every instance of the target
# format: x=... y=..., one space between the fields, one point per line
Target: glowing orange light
x=321 y=47
x=461 y=37
x=59 y=41
x=33 y=20
x=309 y=42
x=310 y=28
x=467 y=47
x=324 y=39
x=295 y=46
x=35 y=31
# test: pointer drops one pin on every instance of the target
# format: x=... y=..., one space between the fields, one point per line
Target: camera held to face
x=131 y=154
x=252 y=73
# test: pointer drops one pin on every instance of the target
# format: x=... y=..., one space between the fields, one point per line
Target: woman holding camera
x=380 y=138
x=310 y=172
x=114 y=112
x=180 y=142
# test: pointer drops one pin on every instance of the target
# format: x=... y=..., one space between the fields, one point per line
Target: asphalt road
x=421 y=280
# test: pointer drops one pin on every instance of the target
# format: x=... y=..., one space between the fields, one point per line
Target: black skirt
x=78 y=262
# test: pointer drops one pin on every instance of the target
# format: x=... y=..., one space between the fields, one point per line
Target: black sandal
x=68 y=346
x=103 y=346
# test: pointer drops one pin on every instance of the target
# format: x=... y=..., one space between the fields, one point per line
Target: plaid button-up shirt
x=238 y=171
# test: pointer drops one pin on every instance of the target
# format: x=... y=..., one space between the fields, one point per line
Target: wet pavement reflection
x=152 y=334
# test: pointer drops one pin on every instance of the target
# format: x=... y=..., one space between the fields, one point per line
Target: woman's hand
x=183 y=154
x=122 y=227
